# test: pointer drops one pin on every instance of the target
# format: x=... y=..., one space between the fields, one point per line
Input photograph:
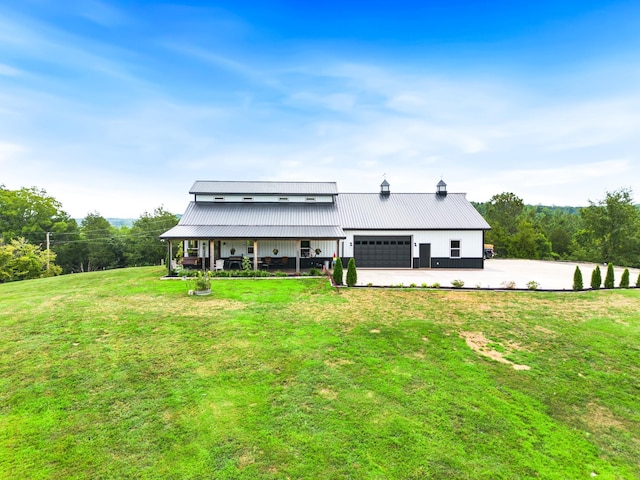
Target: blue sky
x=117 y=107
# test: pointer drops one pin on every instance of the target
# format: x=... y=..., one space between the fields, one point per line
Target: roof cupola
x=441 y=189
x=384 y=188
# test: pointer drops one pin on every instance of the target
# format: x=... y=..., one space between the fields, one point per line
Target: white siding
x=200 y=197
x=471 y=241
x=286 y=248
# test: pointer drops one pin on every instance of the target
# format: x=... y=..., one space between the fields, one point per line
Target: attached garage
x=382 y=251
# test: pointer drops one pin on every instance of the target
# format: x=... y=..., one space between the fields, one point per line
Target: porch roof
x=255 y=232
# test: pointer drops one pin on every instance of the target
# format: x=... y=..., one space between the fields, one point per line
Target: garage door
x=382 y=252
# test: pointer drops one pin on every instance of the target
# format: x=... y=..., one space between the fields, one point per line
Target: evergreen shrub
x=352 y=274
x=609 y=278
x=596 y=278
x=624 y=281
x=577 y=279
x=337 y=272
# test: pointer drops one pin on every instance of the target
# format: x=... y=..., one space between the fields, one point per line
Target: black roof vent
x=441 y=189
x=384 y=188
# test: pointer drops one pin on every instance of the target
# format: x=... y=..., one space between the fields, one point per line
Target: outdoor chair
x=219 y=264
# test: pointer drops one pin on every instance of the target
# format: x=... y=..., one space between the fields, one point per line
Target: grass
x=121 y=375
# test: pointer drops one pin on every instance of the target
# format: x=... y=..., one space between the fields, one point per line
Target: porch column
x=337 y=248
x=298 y=246
x=255 y=254
x=211 y=255
x=170 y=259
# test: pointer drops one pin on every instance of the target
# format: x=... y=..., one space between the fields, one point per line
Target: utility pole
x=48 y=255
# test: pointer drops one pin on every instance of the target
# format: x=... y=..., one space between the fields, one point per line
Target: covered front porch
x=290 y=255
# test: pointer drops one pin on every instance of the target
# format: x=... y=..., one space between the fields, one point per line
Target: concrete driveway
x=548 y=274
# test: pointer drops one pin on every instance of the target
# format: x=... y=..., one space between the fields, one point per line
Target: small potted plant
x=275 y=251
x=233 y=251
x=203 y=284
x=318 y=251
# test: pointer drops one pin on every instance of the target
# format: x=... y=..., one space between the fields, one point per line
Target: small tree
x=609 y=279
x=577 y=279
x=337 y=272
x=352 y=274
x=624 y=280
x=596 y=278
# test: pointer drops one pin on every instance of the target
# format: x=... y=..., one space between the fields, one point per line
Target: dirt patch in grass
x=480 y=344
x=599 y=417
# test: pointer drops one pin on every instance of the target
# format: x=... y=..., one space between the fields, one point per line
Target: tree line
x=606 y=231
x=31 y=220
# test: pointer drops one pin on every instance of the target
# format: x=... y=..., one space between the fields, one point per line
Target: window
x=249 y=247
x=455 y=248
x=305 y=248
x=247 y=199
x=219 y=199
x=310 y=199
x=283 y=199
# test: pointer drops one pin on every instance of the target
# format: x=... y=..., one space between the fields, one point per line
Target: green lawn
x=122 y=375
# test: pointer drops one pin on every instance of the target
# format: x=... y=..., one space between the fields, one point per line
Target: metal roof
x=351 y=211
x=408 y=211
x=265 y=188
x=329 y=232
x=258 y=220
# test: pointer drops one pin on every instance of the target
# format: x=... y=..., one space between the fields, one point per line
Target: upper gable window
x=310 y=199
x=219 y=199
x=283 y=199
x=247 y=199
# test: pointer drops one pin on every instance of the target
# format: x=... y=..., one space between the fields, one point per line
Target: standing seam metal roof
x=408 y=211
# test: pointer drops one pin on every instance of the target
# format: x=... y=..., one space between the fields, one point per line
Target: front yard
x=120 y=375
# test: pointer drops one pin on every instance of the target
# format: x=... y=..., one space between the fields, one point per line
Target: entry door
x=425 y=255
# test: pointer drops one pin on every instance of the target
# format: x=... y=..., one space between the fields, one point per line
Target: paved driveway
x=548 y=274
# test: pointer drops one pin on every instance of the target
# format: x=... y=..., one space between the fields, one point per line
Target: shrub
x=596 y=278
x=337 y=272
x=624 y=281
x=203 y=281
x=314 y=272
x=457 y=283
x=424 y=285
x=369 y=284
x=352 y=274
x=609 y=279
x=577 y=279
x=533 y=285
x=435 y=285
x=246 y=263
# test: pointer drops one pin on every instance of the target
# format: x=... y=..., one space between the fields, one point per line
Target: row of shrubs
x=596 y=278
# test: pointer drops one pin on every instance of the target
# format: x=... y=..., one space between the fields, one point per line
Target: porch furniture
x=219 y=265
x=266 y=263
x=284 y=261
x=235 y=263
x=190 y=262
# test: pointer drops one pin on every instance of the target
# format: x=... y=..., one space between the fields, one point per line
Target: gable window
x=455 y=249
x=247 y=199
x=284 y=199
x=310 y=199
